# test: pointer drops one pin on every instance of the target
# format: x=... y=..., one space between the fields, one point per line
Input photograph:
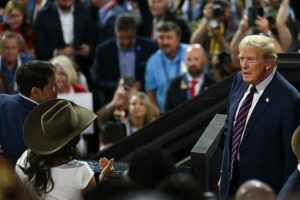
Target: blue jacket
x=265 y=150
x=14 y=110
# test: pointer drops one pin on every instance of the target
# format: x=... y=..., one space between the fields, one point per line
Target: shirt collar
x=125 y=50
x=262 y=85
x=28 y=99
x=199 y=79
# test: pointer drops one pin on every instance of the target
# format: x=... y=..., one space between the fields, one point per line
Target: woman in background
x=70 y=80
x=141 y=112
x=15 y=20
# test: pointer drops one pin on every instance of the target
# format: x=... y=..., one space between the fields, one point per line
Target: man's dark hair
x=125 y=22
x=148 y=166
x=33 y=74
x=112 y=132
x=169 y=26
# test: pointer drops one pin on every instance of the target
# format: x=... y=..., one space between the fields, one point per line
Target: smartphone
x=253 y=12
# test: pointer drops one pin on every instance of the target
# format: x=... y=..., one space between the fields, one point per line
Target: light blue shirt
x=160 y=71
x=127 y=62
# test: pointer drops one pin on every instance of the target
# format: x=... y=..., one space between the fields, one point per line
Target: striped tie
x=239 y=126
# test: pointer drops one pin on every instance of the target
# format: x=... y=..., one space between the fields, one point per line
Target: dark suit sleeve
x=99 y=70
x=290 y=121
x=291 y=187
x=169 y=103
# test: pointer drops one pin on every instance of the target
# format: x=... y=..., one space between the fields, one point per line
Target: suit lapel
x=77 y=25
x=237 y=96
x=114 y=53
x=263 y=103
x=206 y=83
x=138 y=51
x=58 y=25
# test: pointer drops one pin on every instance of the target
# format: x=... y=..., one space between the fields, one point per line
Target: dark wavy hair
x=37 y=167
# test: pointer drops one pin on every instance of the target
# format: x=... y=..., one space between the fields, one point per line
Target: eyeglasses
x=250 y=59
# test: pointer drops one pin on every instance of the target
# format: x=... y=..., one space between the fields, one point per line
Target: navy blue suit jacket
x=291 y=187
x=106 y=70
x=48 y=34
x=14 y=110
x=265 y=150
x=177 y=95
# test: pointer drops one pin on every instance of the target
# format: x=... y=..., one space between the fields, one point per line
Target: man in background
x=165 y=64
x=37 y=83
x=124 y=56
x=191 y=83
x=11 y=59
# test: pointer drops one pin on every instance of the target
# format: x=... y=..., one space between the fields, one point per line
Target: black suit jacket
x=291 y=187
x=177 y=95
x=106 y=70
x=48 y=34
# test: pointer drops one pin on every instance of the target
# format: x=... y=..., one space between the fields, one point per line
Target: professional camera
x=218 y=10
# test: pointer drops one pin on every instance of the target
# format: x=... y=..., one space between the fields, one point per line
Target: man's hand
x=244 y=24
x=262 y=24
x=67 y=51
x=120 y=97
x=84 y=50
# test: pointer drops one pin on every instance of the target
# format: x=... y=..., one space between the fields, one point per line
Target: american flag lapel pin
x=267 y=100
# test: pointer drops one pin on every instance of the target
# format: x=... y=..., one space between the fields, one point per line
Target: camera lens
x=213 y=24
x=218 y=10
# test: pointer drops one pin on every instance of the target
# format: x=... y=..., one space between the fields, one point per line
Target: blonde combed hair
x=266 y=44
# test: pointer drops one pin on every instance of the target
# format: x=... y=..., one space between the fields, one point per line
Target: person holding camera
x=215 y=31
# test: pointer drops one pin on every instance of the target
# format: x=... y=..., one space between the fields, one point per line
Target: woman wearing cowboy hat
x=50 y=167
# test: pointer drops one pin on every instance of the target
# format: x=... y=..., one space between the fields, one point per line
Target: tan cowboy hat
x=54 y=123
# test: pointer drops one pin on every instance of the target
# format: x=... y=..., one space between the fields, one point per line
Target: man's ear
x=269 y=63
x=35 y=93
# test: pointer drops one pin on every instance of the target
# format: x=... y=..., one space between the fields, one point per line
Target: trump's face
x=255 y=68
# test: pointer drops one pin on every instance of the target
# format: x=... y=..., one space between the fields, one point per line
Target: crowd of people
x=140 y=59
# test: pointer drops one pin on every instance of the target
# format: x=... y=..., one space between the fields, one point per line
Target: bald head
x=195 y=60
x=255 y=190
x=296 y=143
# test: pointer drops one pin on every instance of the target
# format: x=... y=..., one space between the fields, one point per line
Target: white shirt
x=69 y=179
x=260 y=89
x=67 y=24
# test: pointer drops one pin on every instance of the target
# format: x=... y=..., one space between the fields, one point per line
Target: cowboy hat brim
x=34 y=135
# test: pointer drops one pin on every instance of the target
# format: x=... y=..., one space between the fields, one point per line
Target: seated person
x=141 y=112
x=117 y=108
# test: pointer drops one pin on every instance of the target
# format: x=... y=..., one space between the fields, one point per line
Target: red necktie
x=193 y=88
